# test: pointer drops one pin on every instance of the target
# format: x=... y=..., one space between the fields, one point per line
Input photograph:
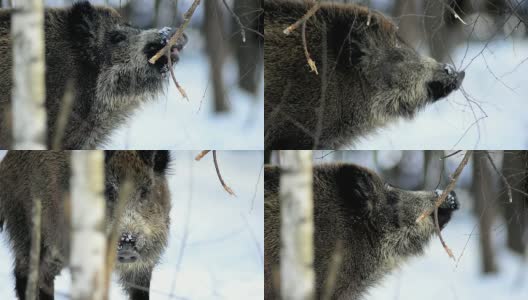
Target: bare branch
x=504 y=180
x=227 y=188
x=449 y=187
x=201 y=155
x=304 y=18
x=224 y=185
x=237 y=19
x=177 y=35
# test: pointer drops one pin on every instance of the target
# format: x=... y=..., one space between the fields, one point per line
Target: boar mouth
x=447 y=208
x=439 y=89
x=162 y=64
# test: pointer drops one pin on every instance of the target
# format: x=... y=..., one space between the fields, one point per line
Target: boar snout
x=446 y=80
x=126 y=249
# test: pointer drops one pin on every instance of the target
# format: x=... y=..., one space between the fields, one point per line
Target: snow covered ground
x=223 y=254
x=497 y=80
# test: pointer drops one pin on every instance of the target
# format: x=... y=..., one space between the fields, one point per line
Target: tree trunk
x=88 y=252
x=249 y=54
x=408 y=12
x=434 y=171
x=29 y=94
x=515 y=213
x=215 y=45
x=484 y=195
x=296 y=267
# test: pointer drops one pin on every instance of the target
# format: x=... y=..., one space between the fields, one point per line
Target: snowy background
x=222 y=257
x=434 y=275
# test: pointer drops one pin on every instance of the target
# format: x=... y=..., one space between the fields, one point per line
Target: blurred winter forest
x=215 y=248
x=485 y=38
x=488 y=235
x=221 y=74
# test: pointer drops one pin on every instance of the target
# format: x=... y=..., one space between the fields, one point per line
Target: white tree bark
x=88 y=252
x=296 y=189
x=29 y=91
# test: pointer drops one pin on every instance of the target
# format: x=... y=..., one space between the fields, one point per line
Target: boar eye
x=117 y=37
x=110 y=193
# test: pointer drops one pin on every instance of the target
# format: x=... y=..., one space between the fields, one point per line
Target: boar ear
x=83 y=23
x=355 y=187
x=162 y=161
x=158 y=160
x=346 y=44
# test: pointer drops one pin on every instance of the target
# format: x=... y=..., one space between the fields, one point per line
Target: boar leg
x=20 y=285
x=137 y=284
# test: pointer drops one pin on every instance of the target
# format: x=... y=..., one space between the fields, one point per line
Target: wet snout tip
x=460 y=77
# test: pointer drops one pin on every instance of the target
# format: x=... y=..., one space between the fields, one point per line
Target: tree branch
x=177 y=35
x=449 y=187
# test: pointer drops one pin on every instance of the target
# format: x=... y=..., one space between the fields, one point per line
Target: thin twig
x=227 y=188
x=304 y=18
x=504 y=180
x=201 y=155
x=302 y=21
x=439 y=233
x=178 y=86
x=452 y=154
x=179 y=33
x=453 y=12
x=237 y=19
x=224 y=185
x=449 y=187
x=311 y=62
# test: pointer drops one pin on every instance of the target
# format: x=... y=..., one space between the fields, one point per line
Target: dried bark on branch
x=173 y=40
x=88 y=245
x=441 y=200
x=302 y=21
x=29 y=113
x=222 y=182
x=296 y=198
x=177 y=35
x=449 y=187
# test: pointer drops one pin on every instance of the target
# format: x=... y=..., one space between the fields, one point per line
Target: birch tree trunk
x=29 y=91
x=88 y=252
x=296 y=189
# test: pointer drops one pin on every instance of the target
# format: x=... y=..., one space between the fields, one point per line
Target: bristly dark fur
x=374 y=222
x=146 y=214
x=367 y=76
